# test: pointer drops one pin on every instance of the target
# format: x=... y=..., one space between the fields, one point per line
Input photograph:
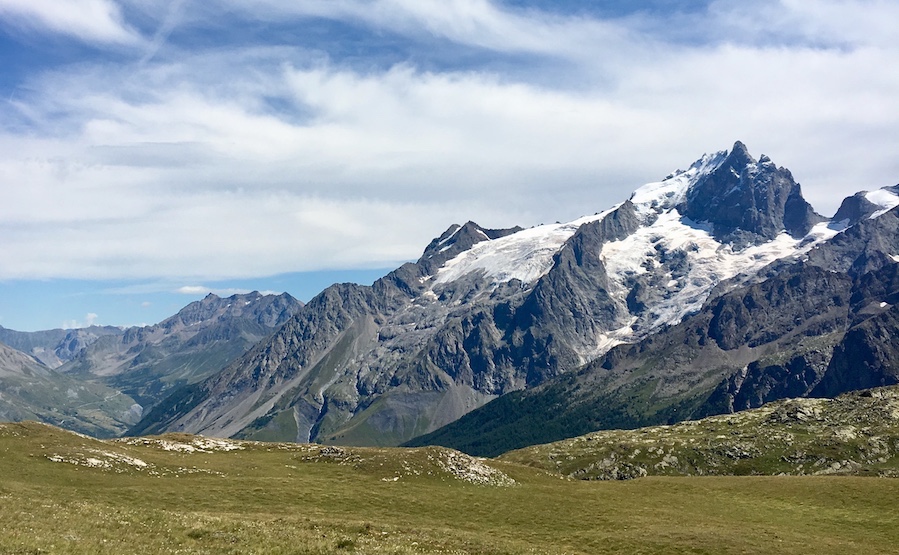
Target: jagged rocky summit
x=485 y=313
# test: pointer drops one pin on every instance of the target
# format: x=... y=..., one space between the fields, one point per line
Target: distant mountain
x=53 y=348
x=487 y=313
x=99 y=380
x=31 y=391
x=201 y=339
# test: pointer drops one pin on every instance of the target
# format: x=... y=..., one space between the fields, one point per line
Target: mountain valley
x=99 y=380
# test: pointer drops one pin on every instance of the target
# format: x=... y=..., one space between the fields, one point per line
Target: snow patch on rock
x=668 y=193
x=886 y=199
x=526 y=255
x=708 y=262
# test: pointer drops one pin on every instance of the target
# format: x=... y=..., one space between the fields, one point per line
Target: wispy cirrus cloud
x=99 y=21
x=479 y=23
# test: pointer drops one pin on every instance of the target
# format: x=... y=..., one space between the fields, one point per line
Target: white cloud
x=89 y=20
x=256 y=161
x=194 y=290
x=89 y=320
x=479 y=23
x=821 y=23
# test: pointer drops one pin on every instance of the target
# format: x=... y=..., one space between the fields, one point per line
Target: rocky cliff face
x=749 y=201
x=487 y=312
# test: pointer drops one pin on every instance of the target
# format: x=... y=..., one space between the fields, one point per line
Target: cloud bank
x=188 y=148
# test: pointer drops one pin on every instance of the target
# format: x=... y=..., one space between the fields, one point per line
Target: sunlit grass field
x=63 y=493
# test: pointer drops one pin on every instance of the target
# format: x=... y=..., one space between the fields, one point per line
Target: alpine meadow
x=449 y=276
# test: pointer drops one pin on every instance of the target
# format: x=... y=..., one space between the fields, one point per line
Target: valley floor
x=63 y=493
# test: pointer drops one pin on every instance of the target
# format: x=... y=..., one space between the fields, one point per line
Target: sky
x=152 y=151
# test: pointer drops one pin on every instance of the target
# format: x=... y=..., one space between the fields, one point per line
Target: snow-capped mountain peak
x=710 y=199
x=689 y=234
x=671 y=191
x=439 y=337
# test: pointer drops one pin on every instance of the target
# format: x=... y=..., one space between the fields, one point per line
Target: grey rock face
x=854 y=209
x=866 y=357
x=570 y=306
x=749 y=201
x=802 y=299
x=864 y=247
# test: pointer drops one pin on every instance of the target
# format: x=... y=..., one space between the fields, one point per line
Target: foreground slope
x=855 y=433
x=64 y=493
x=487 y=312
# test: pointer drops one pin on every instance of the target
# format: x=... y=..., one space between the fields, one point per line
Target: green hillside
x=65 y=493
x=855 y=434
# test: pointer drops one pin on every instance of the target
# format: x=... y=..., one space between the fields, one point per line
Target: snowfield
x=526 y=255
x=708 y=262
x=885 y=198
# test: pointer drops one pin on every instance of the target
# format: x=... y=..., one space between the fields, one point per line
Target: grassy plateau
x=65 y=493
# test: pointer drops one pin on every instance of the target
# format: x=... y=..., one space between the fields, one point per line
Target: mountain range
x=98 y=380
x=714 y=290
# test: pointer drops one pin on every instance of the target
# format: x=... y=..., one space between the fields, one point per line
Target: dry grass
x=284 y=499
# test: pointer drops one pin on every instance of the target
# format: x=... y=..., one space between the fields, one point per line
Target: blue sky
x=151 y=151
